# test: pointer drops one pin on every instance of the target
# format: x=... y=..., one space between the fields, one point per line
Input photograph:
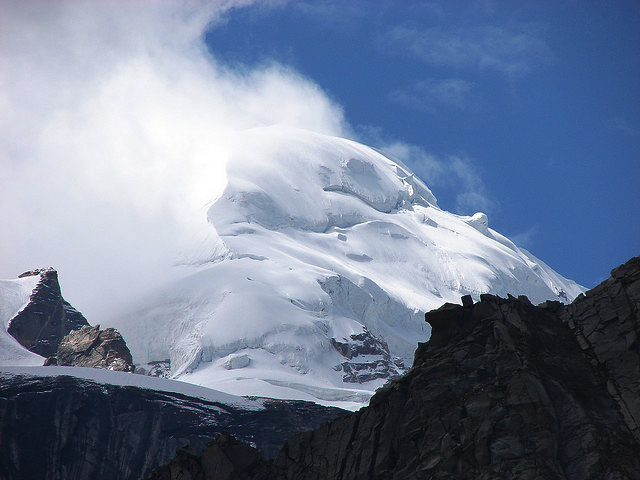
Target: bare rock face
x=503 y=389
x=47 y=318
x=67 y=428
x=605 y=322
x=92 y=347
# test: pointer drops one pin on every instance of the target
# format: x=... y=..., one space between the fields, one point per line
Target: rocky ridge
x=47 y=318
x=503 y=389
x=63 y=427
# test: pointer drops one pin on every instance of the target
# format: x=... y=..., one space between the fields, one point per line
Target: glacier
x=321 y=257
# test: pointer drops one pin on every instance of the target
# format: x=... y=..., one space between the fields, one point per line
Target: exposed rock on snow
x=368 y=358
x=92 y=347
x=159 y=368
x=47 y=317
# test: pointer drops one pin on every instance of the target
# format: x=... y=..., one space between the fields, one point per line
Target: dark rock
x=31 y=273
x=605 y=322
x=50 y=361
x=47 y=318
x=66 y=428
x=92 y=347
x=467 y=300
x=503 y=389
x=224 y=458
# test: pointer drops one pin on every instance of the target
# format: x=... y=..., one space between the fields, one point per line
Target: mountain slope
x=323 y=255
x=503 y=389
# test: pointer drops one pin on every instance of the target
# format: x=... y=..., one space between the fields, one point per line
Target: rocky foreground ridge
x=503 y=389
x=67 y=428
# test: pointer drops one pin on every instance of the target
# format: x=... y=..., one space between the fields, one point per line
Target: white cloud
x=514 y=49
x=525 y=239
x=473 y=194
x=430 y=94
x=115 y=128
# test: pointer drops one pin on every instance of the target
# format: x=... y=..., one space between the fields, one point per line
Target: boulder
x=92 y=347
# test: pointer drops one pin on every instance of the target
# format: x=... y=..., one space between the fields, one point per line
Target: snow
x=14 y=295
x=316 y=238
x=111 y=377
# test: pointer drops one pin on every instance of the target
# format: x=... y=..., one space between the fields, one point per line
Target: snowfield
x=323 y=256
x=14 y=295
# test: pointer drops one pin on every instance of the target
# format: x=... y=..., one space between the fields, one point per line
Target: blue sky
x=528 y=110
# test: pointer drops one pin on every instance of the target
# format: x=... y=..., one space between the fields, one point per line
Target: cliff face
x=503 y=389
x=69 y=428
x=42 y=324
x=605 y=322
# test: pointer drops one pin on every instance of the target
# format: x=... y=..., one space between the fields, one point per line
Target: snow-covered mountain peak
x=282 y=177
x=327 y=254
x=322 y=257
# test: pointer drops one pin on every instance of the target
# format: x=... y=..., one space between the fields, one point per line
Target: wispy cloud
x=622 y=125
x=455 y=173
x=116 y=125
x=514 y=50
x=473 y=195
x=431 y=94
x=525 y=239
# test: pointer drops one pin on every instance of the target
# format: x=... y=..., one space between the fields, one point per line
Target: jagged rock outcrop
x=92 y=347
x=42 y=324
x=503 y=389
x=67 y=428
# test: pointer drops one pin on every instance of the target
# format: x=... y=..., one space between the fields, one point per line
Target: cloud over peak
x=115 y=132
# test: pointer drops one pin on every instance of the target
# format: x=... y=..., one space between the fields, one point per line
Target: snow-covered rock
x=35 y=317
x=316 y=243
